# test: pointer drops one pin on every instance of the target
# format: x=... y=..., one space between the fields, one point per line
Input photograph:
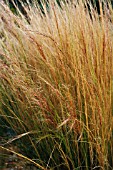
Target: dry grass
x=56 y=82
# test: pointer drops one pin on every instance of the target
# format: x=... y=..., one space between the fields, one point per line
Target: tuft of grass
x=56 y=85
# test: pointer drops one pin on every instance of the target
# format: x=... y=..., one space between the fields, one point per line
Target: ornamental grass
x=56 y=85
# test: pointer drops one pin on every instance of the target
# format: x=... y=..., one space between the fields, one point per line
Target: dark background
x=95 y=4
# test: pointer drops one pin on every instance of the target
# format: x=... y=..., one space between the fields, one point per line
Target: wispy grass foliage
x=56 y=86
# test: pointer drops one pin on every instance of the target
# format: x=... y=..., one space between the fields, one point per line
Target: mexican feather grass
x=56 y=85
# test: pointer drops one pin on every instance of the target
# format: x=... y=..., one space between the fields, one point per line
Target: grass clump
x=56 y=86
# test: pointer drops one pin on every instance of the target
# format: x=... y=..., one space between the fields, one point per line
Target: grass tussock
x=56 y=86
